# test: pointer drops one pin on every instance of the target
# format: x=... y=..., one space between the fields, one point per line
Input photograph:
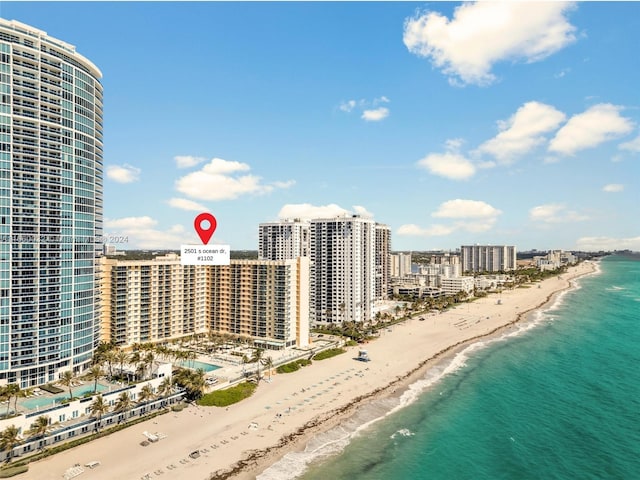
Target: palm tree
x=67 y=378
x=123 y=403
x=134 y=359
x=10 y=390
x=179 y=356
x=245 y=360
x=193 y=381
x=20 y=394
x=197 y=383
x=257 y=356
x=99 y=407
x=4 y=396
x=149 y=358
x=110 y=357
x=190 y=355
x=121 y=357
x=269 y=361
x=146 y=393
x=166 y=387
x=103 y=348
x=9 y=439
x=95 y=373
x=40 y=427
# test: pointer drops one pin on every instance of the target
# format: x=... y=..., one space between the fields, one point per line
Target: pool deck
x=47 y=399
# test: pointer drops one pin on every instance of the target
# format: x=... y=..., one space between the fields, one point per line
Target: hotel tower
x=50 y=206
x=343 y=269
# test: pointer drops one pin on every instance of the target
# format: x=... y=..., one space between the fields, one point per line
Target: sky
x=493 y=123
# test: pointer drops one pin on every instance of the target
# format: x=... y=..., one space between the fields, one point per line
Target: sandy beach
x=241 y=441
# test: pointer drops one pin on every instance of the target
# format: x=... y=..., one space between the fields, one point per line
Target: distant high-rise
x=488 y=258
x=383 y=261
x=343 y=269
x=50 y=206
x=283 y=240
x=400 y=264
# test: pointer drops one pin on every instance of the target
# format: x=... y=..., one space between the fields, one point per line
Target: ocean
x=558 y=397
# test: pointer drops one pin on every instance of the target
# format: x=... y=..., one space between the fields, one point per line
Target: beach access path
x=287 y=409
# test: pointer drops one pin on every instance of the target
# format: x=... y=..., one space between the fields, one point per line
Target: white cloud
x=631 y=146
x=375 y=115
x=482 y=34
x=459 y=208
x=454 y=144
x=123 y=173
x=371 y=112
x=472 y=215
x=186 y=161
x=449 y=165
x=184 y=204
x=555 y=213
x=287 y=184
x=432 y=231
x=362 y=211
x=613 y=187
x=142 y=233
x=220 y=180
x=589 y=129
x=468 y=215
x=347 y=106
x=306 y=211
x=523 y=131
x=595 y=244
x=129 y=223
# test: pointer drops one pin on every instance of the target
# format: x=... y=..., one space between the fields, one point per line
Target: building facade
x=267 y=300
x=488 y=258
x=160 y=299
x=383 y=261
x=343 y=268
x=454 y=285
x=400 y=265
x=152 y=300
x=283 y=240
x=50 y=206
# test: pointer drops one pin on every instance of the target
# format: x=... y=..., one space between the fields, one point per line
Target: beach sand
x=284 y=413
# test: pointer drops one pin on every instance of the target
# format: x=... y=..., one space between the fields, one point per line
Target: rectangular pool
x=195 y=365
x=49 y=401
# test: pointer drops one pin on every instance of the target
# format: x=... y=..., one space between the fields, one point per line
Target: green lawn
x=228 y=396
x=332 y=352
x=293 y=366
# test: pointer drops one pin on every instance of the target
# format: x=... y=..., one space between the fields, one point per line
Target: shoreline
x=258 y=462
x=286 y=412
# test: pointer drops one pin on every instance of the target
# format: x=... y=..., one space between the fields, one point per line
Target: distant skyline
x=494 y=123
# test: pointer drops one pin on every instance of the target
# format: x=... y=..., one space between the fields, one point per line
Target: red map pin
x=205 y=233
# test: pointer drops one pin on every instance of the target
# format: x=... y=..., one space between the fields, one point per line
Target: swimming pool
x=49 y=401
x=195 y=364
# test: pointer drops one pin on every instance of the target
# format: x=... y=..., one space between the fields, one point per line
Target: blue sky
x=498 y=123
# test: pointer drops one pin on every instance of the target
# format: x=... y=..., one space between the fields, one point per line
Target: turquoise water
x=558 y=400
x=197 y=365
x=49 y=401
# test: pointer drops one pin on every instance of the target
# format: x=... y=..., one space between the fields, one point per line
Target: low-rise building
x=453 y=285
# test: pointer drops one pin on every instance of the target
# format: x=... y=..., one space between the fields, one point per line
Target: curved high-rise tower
x=50 y=206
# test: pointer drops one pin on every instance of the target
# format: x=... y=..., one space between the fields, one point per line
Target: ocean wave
x=331 y=442
x=323 y=445
x=404 y=432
